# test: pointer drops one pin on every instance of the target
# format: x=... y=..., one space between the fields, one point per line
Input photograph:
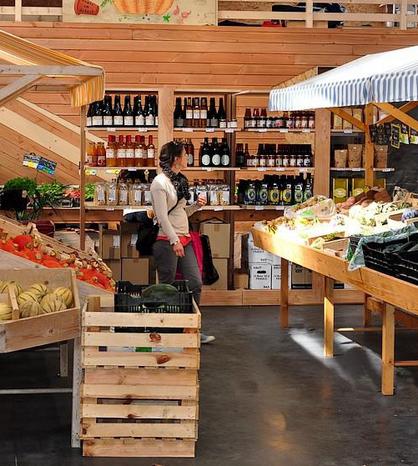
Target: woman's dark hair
x=168 y=154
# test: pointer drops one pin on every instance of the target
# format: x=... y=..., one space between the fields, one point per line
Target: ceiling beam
x=17 y=88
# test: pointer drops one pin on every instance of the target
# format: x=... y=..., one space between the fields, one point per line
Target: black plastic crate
x=407 y=266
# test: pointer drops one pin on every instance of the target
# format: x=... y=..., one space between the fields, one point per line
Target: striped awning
x=381 y=77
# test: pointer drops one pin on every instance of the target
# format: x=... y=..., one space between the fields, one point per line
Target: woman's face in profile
x=181 y=162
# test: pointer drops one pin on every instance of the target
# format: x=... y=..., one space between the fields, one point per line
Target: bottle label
x=149 y=120
x=274 y=196
x=253 y=123
x=118 y=120
x=287 y=195
x=139 y=120
x=214 y=122
x=128 y=121
x=189 y=114
x=138 y=153
x=298 y=194
x=123 y=197
x=89 y=121
x=222 y=124
x=340 y=193
x=179 y=122
x=190 y=161
x=279 y=162
x=261 y=123
x=225 y=160
x=130 y=153
x=196 y=114
x=97 y=121
x=121 y=154
x=205 y=160
x=203 y=114
x=110 y=154
x=89 y=160
x=138 y=196
x=151 y=153
x=307 y=162
x=107 y=120
x=216 y=159
x=144 y=153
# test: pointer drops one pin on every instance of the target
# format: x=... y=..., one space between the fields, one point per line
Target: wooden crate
x=139 y=404
x=45 y=329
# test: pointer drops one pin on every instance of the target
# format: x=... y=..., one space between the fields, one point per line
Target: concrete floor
x=268 y=398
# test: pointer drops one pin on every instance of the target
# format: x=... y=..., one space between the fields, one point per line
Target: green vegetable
x=24 y=183
x=90 y=188
x=50 y=193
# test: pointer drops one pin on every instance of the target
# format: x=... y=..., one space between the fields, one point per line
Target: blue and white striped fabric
x=381 y=77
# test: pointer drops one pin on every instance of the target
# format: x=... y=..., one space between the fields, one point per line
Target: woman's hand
x=178 y=249
x=201 y=200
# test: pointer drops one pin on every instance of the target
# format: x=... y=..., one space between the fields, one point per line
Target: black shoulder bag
x=147 y=231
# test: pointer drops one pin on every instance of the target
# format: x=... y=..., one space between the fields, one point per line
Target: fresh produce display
x=5 y=311
x=34 y=248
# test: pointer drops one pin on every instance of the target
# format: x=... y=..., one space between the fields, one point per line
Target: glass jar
x=201 y=190
x=212 y=194
x=100 y=194
x=223 y=195
x=112 y=193
x=146 y=196
x=123 y=193
x=286 y=161
x=271 y=162
x=135 y=194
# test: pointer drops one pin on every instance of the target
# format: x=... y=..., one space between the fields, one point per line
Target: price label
x=280 y=169
x=261 y=169
x=306 y=130
x=187 y=130
x=131 y=169
x=348 y=131
x=262 y=130
x=142 y=130
x=278 y=207
x=356 y=169
x=111 y=130
x=284 y=130
x=210 y=130
x=259 y=207
x=229 y=130
x=386 y=170
x=110 y=209
x=208 y=169
x=216 y=209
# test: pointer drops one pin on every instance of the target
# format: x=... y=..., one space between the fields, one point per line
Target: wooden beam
x=368 y=153
x=322 y=151
x=388 y=350
x=329 y=318
x=32 y=11
x=398 y=114
x=346 y=116
x=83 y=118
x=17 y=87
x=18 y=11
x=50 y=70
x=404 y=108
x=165 y=110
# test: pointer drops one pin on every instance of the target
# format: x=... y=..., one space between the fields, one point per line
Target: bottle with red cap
x=121 y=153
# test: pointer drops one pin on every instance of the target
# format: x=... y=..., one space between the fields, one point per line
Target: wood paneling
x=187 y=57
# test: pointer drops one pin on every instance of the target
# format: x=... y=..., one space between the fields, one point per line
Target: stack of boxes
x=219 y=238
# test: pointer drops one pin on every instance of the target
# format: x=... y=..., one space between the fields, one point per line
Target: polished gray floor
x=268 y=398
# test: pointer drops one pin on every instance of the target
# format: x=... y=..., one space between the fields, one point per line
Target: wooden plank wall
x=136 y=56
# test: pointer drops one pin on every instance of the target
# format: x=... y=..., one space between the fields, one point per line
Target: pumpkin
x=15 y=286
x=65 y=294
x=31 y=309
x=52 y=303
x=5 y=311
x=39 y=289
x=27 y=296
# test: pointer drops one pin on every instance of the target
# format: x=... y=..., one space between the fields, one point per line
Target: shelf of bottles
x=258 y=120
x=110 y=115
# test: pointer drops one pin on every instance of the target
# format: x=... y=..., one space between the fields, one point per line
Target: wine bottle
x=130 y=152
x=205 y=158
x=216 y=153
x=107 y=111
x=247 y=119
x=117 y=112
x=178 y=114
x=225 y=154
x=190 y=153
x=221 y=114
x=204 y=112
x=139 y=118
x=189 y=113
x=240 y=156
x=150 y=112
x=121 y=152
x=89 y=121
x=150 y=152
x=97 y=118
x=128 y=114
x=155 y=102
x=196 y=112
x=213 y=114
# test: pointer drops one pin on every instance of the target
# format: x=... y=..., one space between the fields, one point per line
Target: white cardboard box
x=276 y=273
x=260 y=276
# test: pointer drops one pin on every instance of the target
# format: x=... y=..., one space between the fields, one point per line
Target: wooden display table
x=392 y=291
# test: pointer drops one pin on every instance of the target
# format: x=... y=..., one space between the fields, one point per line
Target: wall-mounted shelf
x=384 y=170
x=207 y=130
x=279 y=130
x=115 y=129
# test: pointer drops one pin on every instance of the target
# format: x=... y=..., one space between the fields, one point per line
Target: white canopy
x=381 y=77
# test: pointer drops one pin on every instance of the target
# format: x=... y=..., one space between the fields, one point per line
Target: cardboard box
x=221 y=265
x=109 y=244
x=219 y=234
x=260 y=276
x=253 y=255
x=276 y=273
x=237 y=250
x=129 y=235
x=136 y=271
x=301 y=278
x=240 y=280
x=116 y=268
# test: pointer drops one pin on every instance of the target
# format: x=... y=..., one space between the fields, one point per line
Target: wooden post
x=329 y=318
x=18 y=11
x=388 y=350
x=77 y=373
x=63 y=350
x=83 y=116
x=165 y=109
x=284 y=293
x=403 y=14
x=322 y=151
x=368 y=147
x=309 y=14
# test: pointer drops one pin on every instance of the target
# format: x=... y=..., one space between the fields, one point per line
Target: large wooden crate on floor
x=44 y=329
x=139 y=404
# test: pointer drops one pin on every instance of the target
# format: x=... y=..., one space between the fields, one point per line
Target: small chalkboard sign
x=395 y=136
x=46 y=166
x=31 y=160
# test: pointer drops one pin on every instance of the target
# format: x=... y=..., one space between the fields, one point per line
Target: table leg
x=284 y=294
x=388 y=350
x=367 y=313
x=329 y=318
x=75 y=421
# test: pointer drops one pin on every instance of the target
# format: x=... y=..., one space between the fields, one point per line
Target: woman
x=173 y=249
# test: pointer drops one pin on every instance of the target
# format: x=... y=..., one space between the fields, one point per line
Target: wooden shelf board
x=279 y=130
x=206 y=130
x=115 y=129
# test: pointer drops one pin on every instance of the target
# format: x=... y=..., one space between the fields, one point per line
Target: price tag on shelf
x=110 y=209
x=284 y=130
x=262 y=130
x=280 y=169
x=111 y=130
x=386 y=170
x=207 y=169
x=357 y=169
x=261 y=169
x=259 y=207
x=229 y=130
x=306 y=130
x=131 y=169
x=348 y=131
x=210 y=130
x=187 y=130
x=217 y=209
x=279 y=207
x=142 y=130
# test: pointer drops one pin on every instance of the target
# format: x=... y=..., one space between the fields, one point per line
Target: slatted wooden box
x=139 y=404
x=30 y=332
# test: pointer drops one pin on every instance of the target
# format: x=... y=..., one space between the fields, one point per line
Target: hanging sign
x=413 y=136
x=31 y=160
x=404 y=136
x=46 y=166
x=395 y=136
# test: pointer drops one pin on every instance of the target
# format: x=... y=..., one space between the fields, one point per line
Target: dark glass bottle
x=117 y=112
x=308 y=189
x=212 y=114
x=247 y=118
x=190 y=153
x=204 y=112
x=128 y=114
x=107 y=111
x=196 y=113
x=178 y=114
x=298 y=190
x=89 y=121
x=97 y=117
x=225 y=154
x=189 y=113
x=205 y=157
x=221 y=114
x=139 y=118
x=216 y=153
x=240 y=156
x=150 y=114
